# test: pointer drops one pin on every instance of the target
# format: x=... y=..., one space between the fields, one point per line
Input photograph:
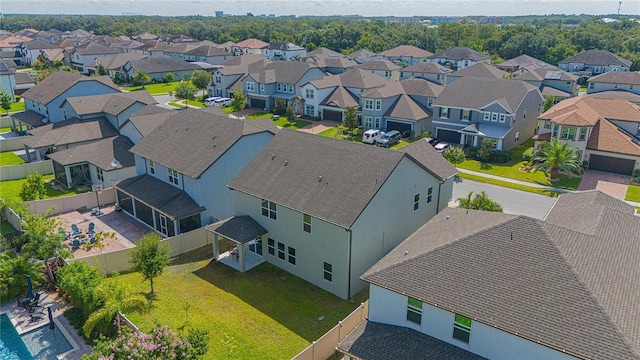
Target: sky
x=320 y=7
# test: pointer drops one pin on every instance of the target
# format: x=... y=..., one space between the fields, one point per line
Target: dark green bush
x=473 y=153
x=527 y=155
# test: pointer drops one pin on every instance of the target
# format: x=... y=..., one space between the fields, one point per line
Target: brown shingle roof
x=480 y=70
x=252 y=44
x=425 y=154
x=616 y=94
x=406 y=108
x=379 y=65
x=55 y=84
x=341 y=98
x=406 y=50
x=95 y=49
x=207 y=50
x=605 y=136
x=583 y=110
x=421 y=87
x=99 y=153
x=69 y=132
x=427 y=68
x=617 y=77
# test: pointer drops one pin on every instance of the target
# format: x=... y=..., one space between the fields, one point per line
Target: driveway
x=612 y=184
x=318 y=126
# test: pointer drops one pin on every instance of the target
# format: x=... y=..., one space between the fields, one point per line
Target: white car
x=441 y=147
x=370 y=136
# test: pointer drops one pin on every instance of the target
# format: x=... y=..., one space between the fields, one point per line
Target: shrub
x=527 y=155
x=473 y=153
x=501 y=157
x=18 y=98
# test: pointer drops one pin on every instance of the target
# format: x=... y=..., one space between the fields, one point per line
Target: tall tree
x=33 y=187
x=238 y=102
x=200 y=79
x=555 y=156
x=350 y=118
x=141 y=78
x=5 y=101
x=548 y=103
x=479 y=202
x=186 y=92
x=455 y=155
x=150 y=257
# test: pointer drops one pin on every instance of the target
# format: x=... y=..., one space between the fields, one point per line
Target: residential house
x=83 y=56
x=30 y=50
x=458 y=58
x=332 y=208
x=628 y=81
x=113 y=65
x=278 y=79
x=208 y=54
x=153 y=48
x=231 y=73
x=329 y=97
x=551 y=81
x=184 y=166
x=178 y=51
x=483 y=285
x=144 y=121
x=605 y=132
x=320 y=53
x=282 y=50
x=433 y=72
x=335 y=65
x=128 y=46
x=422 y=91
x=522 y=62
x=616 y=94
x=248 y=46
x=471 y=110
x=158 y=66
x=384 y=68
x=52 y=36
x=361 y=56
x=77 y=34
x=7 y=79
x=407 y=54
x=24 y=82
x=593 y=62
x=145 y=36
x=11 y=48
x=43 y=101
x=479 y=70
x=49 y=57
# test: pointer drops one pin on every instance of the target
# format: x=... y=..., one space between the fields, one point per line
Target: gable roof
x=616 y=94
x=112 y=104
x=421 y=87
x=617 y=77
x=323 y=53
x=405 y=50
x=92 y=48
x=390 y=89
x=335 y=62
x=99 y=153
x=190 y=141
x=597 y=57
x=586 y=111
x=353 y=78
x=524 y=62
x=69 y=132
x=283 y=46
x=406 y=108
x=39 y=45
x=480 y=70
x=543 y=73
x=251 y=44
x=341 y=98
x=282 y=71
x=149 y=118
x=162 y=64
x=436 y=164
x=605 y=136
x=57 y=83
x=239 y=229
x=207 y=50
x=427 y=68
x=379 y=65
x=461 y=53
x=118 y=60
x=586 y=305
x=476 y=93
x=243 y=64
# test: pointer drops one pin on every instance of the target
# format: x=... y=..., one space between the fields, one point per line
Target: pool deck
x=23 y=322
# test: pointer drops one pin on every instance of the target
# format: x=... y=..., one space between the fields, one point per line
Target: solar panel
x=553 y=75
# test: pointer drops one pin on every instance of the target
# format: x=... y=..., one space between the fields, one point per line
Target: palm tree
x=141 y=77
x=555 y=156
x=115 y=298
x=479 y=202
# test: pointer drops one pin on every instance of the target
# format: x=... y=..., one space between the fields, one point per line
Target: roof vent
x=186 y=129
x=406 y=253
x=214 y=145
x=319 y=178
x=511 y=235
x=286 y=162
x=447 y=217
x=273 y=156
x=213 y=137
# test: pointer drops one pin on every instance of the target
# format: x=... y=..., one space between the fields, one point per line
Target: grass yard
x=267 y=317
x=15 y=107
x=255 y=116
x=297 y=124
x=156 y=89
x=10 y=189
x=180 y=103
x=633 y=193
x=332 y=132
x=511 y=170
x=9 y=158
x=507 y=184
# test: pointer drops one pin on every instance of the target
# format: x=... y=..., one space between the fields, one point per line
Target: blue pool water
x=39 y=344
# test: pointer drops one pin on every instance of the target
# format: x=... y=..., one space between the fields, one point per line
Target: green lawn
x=9 y=158
x=11 y=189
x=156 y=89
x=180 y=104
x=297 y=124
x=633 y=193
x=333 y=133
x=511 y=170
x=507 y=184
x=258 y=115
x=268 y=317
x=15 y=107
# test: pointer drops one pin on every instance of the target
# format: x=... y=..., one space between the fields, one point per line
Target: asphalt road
x=512 y=201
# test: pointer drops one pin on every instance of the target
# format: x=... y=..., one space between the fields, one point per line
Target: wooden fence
x=324 y=347
x=65 y=204
x=14 y=172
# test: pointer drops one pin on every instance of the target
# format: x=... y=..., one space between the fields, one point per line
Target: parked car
x=222 y=102
x=432 y=141
x=441 y=147
x=389 y=139
x=370 y=136
x=211 y=101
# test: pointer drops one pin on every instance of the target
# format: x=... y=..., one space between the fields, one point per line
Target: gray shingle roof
x=421 y=88
x=475 y=93
x=480 y=70
x=286 y=72
x=329 y=179
x=100 y=153
x=354 y=78
x=117 y=61
x=461 y=53
x=239 y=229
x=376 y=341
x=95 y=49
x=112 y=104
x=406 y=108
x=427 y=68
x=524 y=62
x=406 y=50
x=149 y=120
x=162 y=64
x=207 y=50
x=617 y=77
x=243 y=64
x=30 y=117
x=379 y=65
x=170 y=200
x=38 y=45
x=341 y=98
x=597 y=57
x=616 y=94
x=190 y=141
x=69 y=132
x=576 y=285
x=436 y=164
x=55 y=84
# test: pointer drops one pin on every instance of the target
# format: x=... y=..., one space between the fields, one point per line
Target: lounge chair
x=75 y=243
x=75 y=229
x=36 y=316
x=91 y=229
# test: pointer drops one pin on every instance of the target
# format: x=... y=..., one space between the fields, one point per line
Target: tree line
x=549 y=40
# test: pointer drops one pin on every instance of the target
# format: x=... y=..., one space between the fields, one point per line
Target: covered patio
x=247 y=237
x=474 y=134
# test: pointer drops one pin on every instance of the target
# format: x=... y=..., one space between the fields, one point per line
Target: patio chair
x=75 y=229
x=92 y=229
x=65 y=235
x=75 y=243
x=36 y=317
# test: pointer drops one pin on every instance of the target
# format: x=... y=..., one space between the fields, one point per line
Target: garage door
x=258 y=103
x=449 y=136
x=611 y=164
x=332 y=115
x=394 y=125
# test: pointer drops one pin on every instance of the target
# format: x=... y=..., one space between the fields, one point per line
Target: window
x=306 y=223
x=416 y=201
x=503 y=117
x=269 y=209
x=465 y=115
x=261 y=87
x=517 y=136
x=591 y=85
x=597 y=69
x=429 y=195
x=328 y=272
x=173 y=176
x=378 y=104
x=487 y=116
x=367 y=121
x=271 y=246
x=387 y=74
x=438 y=77
x=251 y=86
x=583 y=134
x=568 y=133
x=368 y=104
x=281 y=254
x=494 y=117
x=444 y=112
x=152 y=167
x=309 y=93
x=309 y=110
x=376 y=123
x=100 y=174
x=462 y=328
x=547 y=124
x=291 y=88
x=218 y=79
x=292 y=255
x=430 y=102
x=279 y=87
x=555 y=131
x=638 y=132
x=414 y=310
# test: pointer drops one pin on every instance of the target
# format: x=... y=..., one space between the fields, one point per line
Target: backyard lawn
x=156 y=89
x=633 y=193
x=9 y=158
x=11 y=189
x=269 y=313
x=511 y=170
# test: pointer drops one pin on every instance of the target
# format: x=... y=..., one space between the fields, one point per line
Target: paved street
x=512 y=201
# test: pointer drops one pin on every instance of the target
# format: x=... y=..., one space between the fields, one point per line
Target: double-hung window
x=99 y=174
x=487 y=116
x=583 y=133
x=378 y=105
x=462 y=328
x=416 y=201
x=568 y=133
x=547 y=124
x=368 y=104
x=306 y=223
x=281 y=253
x=556 y=128
x=444 y=112
x=414 y=310
x=376 y=122
x=328 y=272
x=173 y=176
x=271 y=246
x=465 y=115
x=291 y=88
x=269 y=209
x=503 y=117
x=309 y=110
x=251 y=86
x=494 y=117
x=367 y=121
x=309 y=93
x=429 y=194
x=152 y=167
x=292 y=255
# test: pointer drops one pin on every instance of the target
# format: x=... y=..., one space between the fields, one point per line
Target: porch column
x=153 y=217
x=133 y=207
x=475 y=141
x=216 y=246
x=26 y=150
x=38 y=157
x=499 y=146
x=242 y=258
x=67 y=175
x=176 y=227
x=462 y=138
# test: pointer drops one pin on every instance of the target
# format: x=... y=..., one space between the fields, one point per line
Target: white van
x=222 y=102
x=369 y=136
x=211 y=101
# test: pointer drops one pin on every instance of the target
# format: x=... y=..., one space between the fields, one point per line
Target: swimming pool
x=39 y=344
